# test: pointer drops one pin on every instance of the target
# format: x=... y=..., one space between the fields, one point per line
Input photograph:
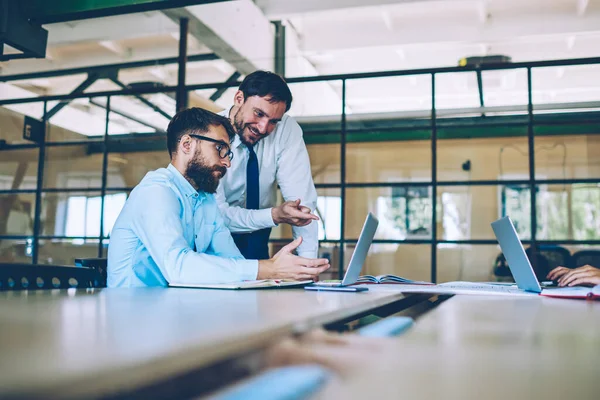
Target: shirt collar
x=184 y=186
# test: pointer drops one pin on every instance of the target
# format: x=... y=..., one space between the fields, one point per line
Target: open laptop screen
x=515 y=255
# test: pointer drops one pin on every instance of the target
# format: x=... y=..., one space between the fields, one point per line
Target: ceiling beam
x=285 y=8
x=118 y=27
x=237 y=31
x=45 y=12
x=339 y=35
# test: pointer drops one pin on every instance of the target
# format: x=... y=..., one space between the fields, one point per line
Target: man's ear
x=185 y=145
x=238 y=98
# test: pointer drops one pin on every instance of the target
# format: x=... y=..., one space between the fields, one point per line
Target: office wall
x=72 y=168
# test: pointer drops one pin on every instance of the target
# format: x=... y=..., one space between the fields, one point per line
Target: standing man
x=269 y=151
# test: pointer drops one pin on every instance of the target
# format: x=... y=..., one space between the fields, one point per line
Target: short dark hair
x=194 y=120
x=267 y=84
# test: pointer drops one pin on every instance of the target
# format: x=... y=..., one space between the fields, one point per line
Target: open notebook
x=576 y=292
x=260 y=284
x=389 y=279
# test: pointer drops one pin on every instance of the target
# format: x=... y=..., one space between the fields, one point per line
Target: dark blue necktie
x=252 y=198
x=255 y=245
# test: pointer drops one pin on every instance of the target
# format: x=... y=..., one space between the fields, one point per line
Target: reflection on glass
x=128 y=169
x=485 y=158
x=324 y=162
x=70 y=214
x=409 y=261
x=403 y=213
x=465 y=212
x=18 y=169
x=567 y=156
x=467 y=263
x=16 y=214
x=564 y=212
x=64 y=252
x=16 y=251
x=113 y=204
x=72 y=167
x=390 y=161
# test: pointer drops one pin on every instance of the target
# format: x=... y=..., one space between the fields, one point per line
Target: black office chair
x=586 y=257
x=97 y=264
x=557 y=256
x=501 y=270
x=540 y=267
x=35 y=276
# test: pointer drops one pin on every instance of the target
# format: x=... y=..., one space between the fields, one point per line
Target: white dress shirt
x=282 y=160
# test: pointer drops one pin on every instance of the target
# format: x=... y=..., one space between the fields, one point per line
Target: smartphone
x=337 y=288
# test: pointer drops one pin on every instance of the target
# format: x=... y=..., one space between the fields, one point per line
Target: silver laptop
x=358 y=257
x=515 y=255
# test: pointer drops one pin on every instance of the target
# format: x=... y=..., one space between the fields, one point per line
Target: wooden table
x=78 y=343
x=479 y=347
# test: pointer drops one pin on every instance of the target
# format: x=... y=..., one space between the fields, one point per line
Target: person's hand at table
x=586 y=275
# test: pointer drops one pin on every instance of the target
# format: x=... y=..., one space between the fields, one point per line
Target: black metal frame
x=109 y=144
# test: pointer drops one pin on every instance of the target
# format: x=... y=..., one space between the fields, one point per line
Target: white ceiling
x=341 y=36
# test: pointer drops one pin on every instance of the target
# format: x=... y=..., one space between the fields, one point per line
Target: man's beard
x=203 y=176
x=240 y=128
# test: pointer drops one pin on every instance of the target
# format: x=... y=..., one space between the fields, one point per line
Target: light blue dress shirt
x=168 y=232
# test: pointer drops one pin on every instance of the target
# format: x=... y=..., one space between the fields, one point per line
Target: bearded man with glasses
x=171 y=229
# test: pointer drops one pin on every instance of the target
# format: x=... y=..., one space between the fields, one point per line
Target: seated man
x=171 y=230
x=586 y=275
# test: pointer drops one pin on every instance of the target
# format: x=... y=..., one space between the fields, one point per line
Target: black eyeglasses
x=222 y=147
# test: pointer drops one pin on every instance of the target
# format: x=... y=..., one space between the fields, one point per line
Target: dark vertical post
x=182 y=94
x=104 y=179
x=433 y=183
x=343 y=182
x=532 y=188
x=279 y=62
x=38 y=191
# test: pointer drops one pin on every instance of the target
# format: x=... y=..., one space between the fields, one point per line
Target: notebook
x=259 y=284
x=579 y=292
x=367 y=279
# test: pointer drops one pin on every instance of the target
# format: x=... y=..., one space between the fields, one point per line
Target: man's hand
x=586 y=275
x=291 y=212
x=285 y=265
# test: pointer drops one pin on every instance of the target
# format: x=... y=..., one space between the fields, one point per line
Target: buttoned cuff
x=248 y=270
x=265 y=218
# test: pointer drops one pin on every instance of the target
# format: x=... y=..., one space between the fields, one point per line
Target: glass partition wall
x=435 y=154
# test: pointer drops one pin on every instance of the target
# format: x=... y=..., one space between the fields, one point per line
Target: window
x=563 y=211
x=329 y=212
x=456 y=215
x=83 y=214
x=408 y=212
x=585 y=206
